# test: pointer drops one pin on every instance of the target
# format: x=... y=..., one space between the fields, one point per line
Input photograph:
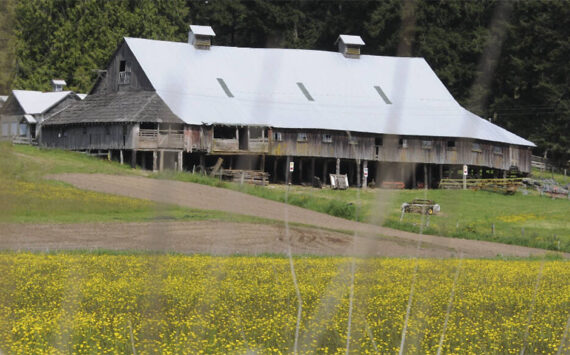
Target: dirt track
x=249 y=238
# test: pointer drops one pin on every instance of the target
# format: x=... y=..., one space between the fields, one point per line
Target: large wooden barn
x=184 y=105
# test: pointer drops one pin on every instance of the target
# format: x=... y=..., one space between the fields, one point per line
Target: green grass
x=559 y=178
x=527 y=220
x=28 y=198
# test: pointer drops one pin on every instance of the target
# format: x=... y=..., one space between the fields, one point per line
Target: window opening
x=379 y=140
x=498 y=150
x=124 y=72
x=476 y=147
x=382 y=95
x=427 y=144
x=327 y=138
x=301 y=137
x=277 y=136
x=224 y=132
x=403 y=143
x=451 y=144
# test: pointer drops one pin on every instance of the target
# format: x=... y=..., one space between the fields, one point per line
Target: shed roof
x=353 y=40
x=122 y=106
x=202 y=30
x=37 y=102
x=264 y=84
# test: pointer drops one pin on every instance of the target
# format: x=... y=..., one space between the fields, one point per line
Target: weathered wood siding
x=110 y=82
x=314 y=146
x=116 y=136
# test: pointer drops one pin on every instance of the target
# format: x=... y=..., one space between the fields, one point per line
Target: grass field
x=559 y=178
x=171 y=304
x=528 y=220
x=28 y=198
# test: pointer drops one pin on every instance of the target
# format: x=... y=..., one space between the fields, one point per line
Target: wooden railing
x=24 y=140
x=162 y=138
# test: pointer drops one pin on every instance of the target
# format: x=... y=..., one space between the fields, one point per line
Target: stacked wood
x=505 y=186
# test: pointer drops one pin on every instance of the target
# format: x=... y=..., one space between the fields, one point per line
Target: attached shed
x=24 y=112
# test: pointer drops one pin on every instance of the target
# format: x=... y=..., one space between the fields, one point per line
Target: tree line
x=507 y=61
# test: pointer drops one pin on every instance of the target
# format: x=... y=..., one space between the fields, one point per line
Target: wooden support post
x=425 y=177
x=358 y=173
x=430 y=176
x=414 y=181
x=365 y=176
x=154 y=160
x=180 y=161
x=325 y=171
x=312 y=170
x=337 y=165
x=287 y=173
x=161 y=161
x=263 y=170
x=275 y=169
x=109 y=155
x=202 y=164
x=121 y=160
x=134 y=159
x=301 y=171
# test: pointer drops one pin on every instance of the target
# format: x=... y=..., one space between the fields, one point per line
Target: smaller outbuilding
x=23 y=112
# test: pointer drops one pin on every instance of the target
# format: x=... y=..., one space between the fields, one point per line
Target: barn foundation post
x=301 y=171
x=287 y=173
x=121 y=156
x=440 y=172
x=180 y=161
x=337 y=165
x=365 y=176
x=263 y=169
x=202 y=164
x=161 y=161
x=358 y=182
x=425 y=177
x=312 y=170
x=275 y=169
x=154 y=160
x=134 y=159
x=430 y=176
x=414 y=181
x=325 y=171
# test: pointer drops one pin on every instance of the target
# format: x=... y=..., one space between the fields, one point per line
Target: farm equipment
x=421 y=206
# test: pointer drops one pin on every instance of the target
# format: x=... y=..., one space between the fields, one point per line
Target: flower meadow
x=171 y=304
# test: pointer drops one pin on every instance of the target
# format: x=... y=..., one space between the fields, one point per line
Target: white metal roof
x=37 y=102
x=58 y=82
x=30 y=118
x=202 y=30
x=81 y=96
x=263 y=82
x=3 y=98
x=349 y=39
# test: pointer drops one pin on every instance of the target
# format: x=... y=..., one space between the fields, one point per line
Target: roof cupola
x=349 y=45
x=201 y=36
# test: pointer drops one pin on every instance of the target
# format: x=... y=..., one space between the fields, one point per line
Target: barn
x=24 y=111
x=193 y=105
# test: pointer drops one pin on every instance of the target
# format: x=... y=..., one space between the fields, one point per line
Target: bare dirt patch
x=208 y=237
x=212 y=198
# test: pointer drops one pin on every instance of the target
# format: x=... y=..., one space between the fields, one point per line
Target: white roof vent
x=201 y=36
x=58 y=84
x=349 y=45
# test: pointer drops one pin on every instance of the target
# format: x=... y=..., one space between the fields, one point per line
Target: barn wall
x=110 y=82
x=89 y=137
x=10 y=115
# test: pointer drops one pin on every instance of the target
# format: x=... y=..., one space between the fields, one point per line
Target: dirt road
x=211 y=198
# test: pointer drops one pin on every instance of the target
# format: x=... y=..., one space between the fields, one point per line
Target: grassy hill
x=529 y=220
x=29 y=198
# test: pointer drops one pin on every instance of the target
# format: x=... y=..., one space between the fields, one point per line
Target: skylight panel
x=305 y=91
x=383 y=95
x=225 y=87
